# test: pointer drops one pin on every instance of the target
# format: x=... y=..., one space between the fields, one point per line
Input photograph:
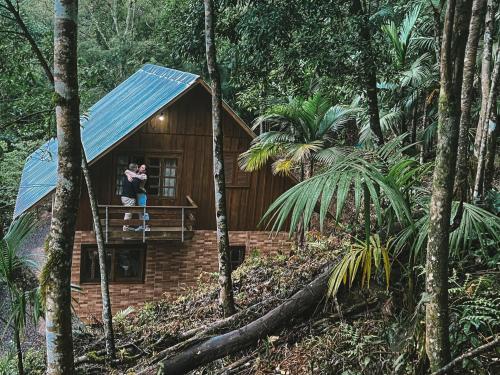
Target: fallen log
x=234 y=341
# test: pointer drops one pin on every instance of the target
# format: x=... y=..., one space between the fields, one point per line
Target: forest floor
x=334 y=338
x=360 y=332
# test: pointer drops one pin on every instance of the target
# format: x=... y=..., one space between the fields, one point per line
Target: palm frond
x=257 y=156
x=337 y=181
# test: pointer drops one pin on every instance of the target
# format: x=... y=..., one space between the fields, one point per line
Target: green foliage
x=360 y=257
x=348 y=171
x=297 y=132
x=475 y=314
x=477 y=226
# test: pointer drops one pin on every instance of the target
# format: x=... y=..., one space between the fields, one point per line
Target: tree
x=107 y=317
x=369 y=69
x=436 y=317
x=300 y=132
x=106 y=301
x=488 y=131
x=12 y=265
x=469 y=65
x=55 y=278
x=485 y=72
x=226 y=298
x=297 y=134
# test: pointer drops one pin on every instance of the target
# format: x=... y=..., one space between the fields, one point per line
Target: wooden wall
x=186 y=131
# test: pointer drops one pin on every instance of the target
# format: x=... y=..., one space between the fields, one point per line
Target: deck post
x=144 y=224
x=107 y=215
x=182 y=225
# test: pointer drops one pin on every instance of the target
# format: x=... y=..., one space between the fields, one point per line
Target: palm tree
x=414 y=75
x=298 y=132
x=12 y=265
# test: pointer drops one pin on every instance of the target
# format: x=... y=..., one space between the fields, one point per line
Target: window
x=162 y=177
x=124 y=263
x=235 y=177
x=237 y=256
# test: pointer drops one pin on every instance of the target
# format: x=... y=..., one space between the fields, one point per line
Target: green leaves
x=298 y=132
x=11 y=260
x=476 y=226
x=361 y=256
x=347 y=175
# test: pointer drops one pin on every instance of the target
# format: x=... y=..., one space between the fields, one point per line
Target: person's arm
x=131 y=175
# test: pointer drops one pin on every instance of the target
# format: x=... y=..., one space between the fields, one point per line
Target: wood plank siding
x=186 y=135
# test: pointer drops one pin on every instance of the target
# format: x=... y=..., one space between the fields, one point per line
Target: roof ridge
x=169 y=73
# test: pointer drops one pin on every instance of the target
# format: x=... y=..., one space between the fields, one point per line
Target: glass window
x=237 y=256
x=234 y=176
x=124 y=263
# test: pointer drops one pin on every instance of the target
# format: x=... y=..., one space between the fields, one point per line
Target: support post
x=107 y=218
x=182 y=224
x=144 y=224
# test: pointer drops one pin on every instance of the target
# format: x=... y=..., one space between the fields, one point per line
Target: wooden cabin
x=160 y=117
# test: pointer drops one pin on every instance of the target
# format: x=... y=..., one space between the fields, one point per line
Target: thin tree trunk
x=436 y=318
x=17 y=338
x=459 y=42
x=469 y=65
x=424 y=125
x=107 y=317
x=369 y=69
x=226 y=299
x=27 y=35
x=485 y=72
x=56 y=275
x=489 y=169
x=487 y=130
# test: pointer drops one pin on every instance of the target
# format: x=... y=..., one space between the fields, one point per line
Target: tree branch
x=469 y=354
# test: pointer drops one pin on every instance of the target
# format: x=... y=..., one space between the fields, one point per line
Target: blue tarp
x=110 y=120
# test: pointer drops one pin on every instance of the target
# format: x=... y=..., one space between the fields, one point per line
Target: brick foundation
x=170 y=268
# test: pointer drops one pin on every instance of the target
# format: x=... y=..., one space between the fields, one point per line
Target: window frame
x=175 y=156
x=232 y=248
x=112 y=278
x=235 y=172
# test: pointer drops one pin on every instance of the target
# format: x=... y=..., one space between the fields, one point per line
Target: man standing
x=129 y=193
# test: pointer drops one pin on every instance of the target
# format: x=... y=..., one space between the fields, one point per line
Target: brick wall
x=170 y=268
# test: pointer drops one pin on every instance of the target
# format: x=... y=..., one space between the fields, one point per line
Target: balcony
x=165 y=223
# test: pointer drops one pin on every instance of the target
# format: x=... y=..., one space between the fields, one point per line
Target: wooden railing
x=161 y=223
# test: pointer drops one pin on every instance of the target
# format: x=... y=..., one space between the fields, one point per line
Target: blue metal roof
x=110 y=120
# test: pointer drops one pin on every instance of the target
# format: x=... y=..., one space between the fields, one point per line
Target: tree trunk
x=469 y=66
x=369 y=69
x=436 y=318
x=26 y=34
x=17 y=338
x=107 y=317
x=459 y=42
x=485 y=72
x=487 y=130
x=217 y=347
x=56 y=275
x=489 y=169
x=226 y=299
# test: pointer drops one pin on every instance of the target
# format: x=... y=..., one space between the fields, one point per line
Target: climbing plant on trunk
x=56 y=275
x=226 y=289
